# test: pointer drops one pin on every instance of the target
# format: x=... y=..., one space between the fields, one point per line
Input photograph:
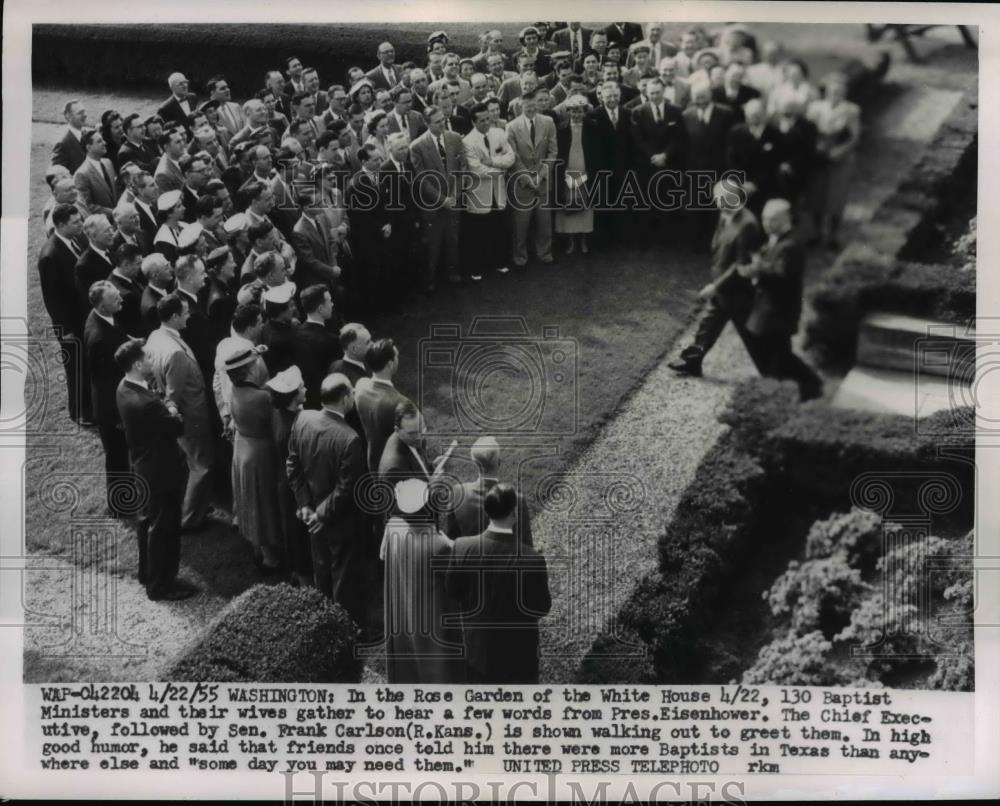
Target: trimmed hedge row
x=904 y=228
x=863 y=280
x=779 y=450
x=274 y=634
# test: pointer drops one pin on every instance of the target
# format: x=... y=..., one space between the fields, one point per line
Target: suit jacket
x=612 y=143
x=148 y=224
x=314 y=349
x=414 y=124
x=502 y=588
x=399 y=464
x=666 y=137
x=316 y=263
x=151 y=433
x=755 y=158
x=591 y=158
x=57 y=276
x=777 y=301
x=231 y=117
x=744 y=93
x=460 y=121
x=96 y=194
x=366 y=205
x=130 y=316
x=139 y=239
x=735 y=241
x=355 y=374
x=168 y=176
x=171 y=111
x=177 y=373
x=68 y=152
x=324 y=464
x=197 y=334
x=624 y=33
x=707 y=143
x=468 y=517
x=378 y=80
x=490 y=187
x=90 y=268
x=147 y=307
x=562 y=41
x=796 y=148
x=190 y=201
x=139 y=154
x=376 y=404
x=220 y=304
x=100 y=340
x=278 y=337
x=681 y=92
x=436 y=177
x=537 y=156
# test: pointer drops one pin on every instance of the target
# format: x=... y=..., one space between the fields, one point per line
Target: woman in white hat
x=419 y=647
x=170 y=217
x=288 y=393
x=255 y=482
x=362 y=93
x=575 y=167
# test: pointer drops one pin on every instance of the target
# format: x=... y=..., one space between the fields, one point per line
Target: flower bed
x=274 y=634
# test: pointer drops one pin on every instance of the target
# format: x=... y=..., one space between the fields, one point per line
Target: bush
x=863 y=280
x=613 y=660
x=817 y=594
x=274 y=634
x=797 y=660
x=965 y=248
x=856 y=534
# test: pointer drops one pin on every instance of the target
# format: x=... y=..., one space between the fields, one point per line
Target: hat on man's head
x=189 y=235
x=236 y=223
x=168 y=200
x=288 y=380
x=239 y=356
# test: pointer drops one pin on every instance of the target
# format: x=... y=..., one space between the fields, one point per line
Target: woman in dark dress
x=288 y=393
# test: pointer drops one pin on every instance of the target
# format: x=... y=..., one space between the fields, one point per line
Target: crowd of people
x=208 y=269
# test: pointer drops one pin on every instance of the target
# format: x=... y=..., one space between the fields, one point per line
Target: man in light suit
x=177 y=373
x=438 y=156
x=169 y=175
x=402 y=118
x=502 y=587
x=230 y=113
x=376 y=398
x=94 y=179
x=324 y=464
x=488 y=155
x=532 y=137
x=385 y=75
x=467 y=517
x=68 y=152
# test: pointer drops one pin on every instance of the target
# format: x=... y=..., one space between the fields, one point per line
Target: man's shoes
x=683 y=367
x=503 y=270
x=476 y=277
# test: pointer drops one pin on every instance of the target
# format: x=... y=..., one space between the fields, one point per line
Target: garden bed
x=750 y=510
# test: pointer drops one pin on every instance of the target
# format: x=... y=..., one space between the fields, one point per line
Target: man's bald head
x=485 y=453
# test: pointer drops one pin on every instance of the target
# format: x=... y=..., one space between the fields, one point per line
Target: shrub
x=797 y=660
x=274 y=634
x=965 y=248
x=856 y=534
x=817 y=594
x=614 y=660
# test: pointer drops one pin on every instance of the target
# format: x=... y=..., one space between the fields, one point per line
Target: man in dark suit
x=95 y=178
x=68 y=151
x=371 y=228
x=403 y=456
x=385 y=75
x=189 y=272
x=708 y=126
x=624 y=33
x=438 y=156
x=220 y=300
x=575 y=39
x=102 y=336
x=502 y=588
x=796 y=152
x=752 y=150
x=612 y=145
x=324 y=465
x=57 y=275
x=159 y=276
x=181 y=103
x=134 y=149
x=314 y=346
x=729 y=295
x=377 y=398
x=95 y=263
x=125 y=277
x=145 y=192
x=467 y=517
x=660 y=143
x=316 y=262
x=395 y=179
x=734 y=93
x=151 y=428
x=354 y=342
x=777 y=304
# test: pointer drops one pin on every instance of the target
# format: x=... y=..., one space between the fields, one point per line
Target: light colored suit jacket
x=533 y=158
x=95 y=193
x=231 y=117
x=168 y=176
x=437 y=178
x=490 y=167
x=179 y=377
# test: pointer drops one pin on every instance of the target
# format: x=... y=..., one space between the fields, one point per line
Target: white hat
x=189 y=235
x=235 y=223
x=286 y=381
x=168 y=200
x=238 y=355
x=279 y=295
x=411 y=495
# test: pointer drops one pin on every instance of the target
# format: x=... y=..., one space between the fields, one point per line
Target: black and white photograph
x=448 y=351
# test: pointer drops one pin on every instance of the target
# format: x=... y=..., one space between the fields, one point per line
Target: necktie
x=440 y=145
x=107 y=178
x=656 y=113
x=614 y=117
x=531 y=130
x=74 y=248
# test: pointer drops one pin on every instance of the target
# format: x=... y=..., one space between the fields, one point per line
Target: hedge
x=863 y=280
x=776 y=450
x=274 y=634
